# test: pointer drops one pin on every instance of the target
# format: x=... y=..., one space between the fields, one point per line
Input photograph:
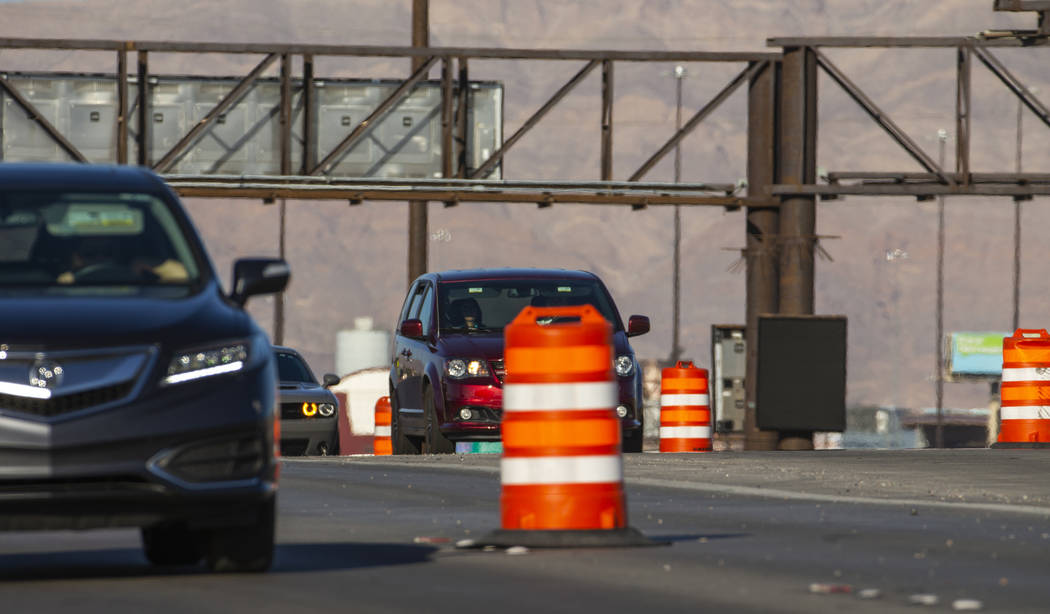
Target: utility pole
x=942 y=136
x=676 y=346
x=417 y=209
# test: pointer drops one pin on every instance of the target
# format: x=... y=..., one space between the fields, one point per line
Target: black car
x=134 y=391
x=309 y=422
x=446 y=376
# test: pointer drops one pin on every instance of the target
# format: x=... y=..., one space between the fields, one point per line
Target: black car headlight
x=206 y=362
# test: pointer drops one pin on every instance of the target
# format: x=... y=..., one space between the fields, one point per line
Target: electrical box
x=728 y=369
x=801 y=373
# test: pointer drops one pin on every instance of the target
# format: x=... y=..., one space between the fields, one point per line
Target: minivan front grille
x=57 y=406
x=498 y=369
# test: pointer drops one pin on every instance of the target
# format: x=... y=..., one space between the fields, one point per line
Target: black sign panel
x=801 y=373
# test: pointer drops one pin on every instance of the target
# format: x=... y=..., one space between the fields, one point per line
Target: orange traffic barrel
x=381 y=445
x=561 y=470
x=685 y=414
x=1024 y=413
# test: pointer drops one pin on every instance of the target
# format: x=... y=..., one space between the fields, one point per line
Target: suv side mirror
x=412 y=329
x=253 y=276
x=329 y=380
x=637 y=325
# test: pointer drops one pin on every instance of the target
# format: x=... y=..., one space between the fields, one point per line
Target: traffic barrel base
x=584 y=538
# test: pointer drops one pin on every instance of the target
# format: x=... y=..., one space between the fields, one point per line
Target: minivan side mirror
x=637 y=325
x=252 y=276
x=412 y=328
x=329 y=380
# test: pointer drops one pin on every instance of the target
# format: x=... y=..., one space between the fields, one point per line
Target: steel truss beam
x=463 y=190
x=745 y=76
x=487 y=166
x=229 y=101
x=374 y=118
x=34 y=115
x=881 y=118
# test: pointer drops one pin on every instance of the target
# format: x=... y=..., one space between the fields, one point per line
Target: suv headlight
x=624 y=365
x=459 y=368
x=205 y=362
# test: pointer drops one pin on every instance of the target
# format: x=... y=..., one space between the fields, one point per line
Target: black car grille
x=294 y=411
x=68 y=403
x=294 y=447
x=498 y=369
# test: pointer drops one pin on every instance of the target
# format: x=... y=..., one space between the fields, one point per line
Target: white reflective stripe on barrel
x=1026 y=374
x=520 y=470
x=685 y=432
x=382 y=431
x=1031 y=412
x=548 y=397
x=679 y=400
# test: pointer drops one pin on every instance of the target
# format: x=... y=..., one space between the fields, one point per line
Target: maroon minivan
x=446 y=374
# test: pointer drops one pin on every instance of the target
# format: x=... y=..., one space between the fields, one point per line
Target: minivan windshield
x=486 y=306
x=76 y=242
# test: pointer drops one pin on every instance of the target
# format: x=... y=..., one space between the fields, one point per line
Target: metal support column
x=798 y=215
x=763 y=224
x=145 y=143
x=607 y=120
x=122 y=106
x=286 y=169
x=309 y=115
x=417 y=209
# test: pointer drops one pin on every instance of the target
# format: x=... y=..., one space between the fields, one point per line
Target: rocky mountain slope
x=350 y=262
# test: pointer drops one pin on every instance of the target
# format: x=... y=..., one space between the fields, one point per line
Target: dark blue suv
x=134 y=391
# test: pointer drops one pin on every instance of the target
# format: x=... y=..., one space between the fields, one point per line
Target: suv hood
x=94 y=321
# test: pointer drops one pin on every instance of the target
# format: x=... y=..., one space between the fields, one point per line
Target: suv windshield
x=488 y=305
x=72 y=241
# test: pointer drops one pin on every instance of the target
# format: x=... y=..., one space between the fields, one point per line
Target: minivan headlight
x=624 y=365
x=205 y=362
x=459 y=368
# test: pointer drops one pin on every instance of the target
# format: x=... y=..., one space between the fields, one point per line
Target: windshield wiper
x=464 y=329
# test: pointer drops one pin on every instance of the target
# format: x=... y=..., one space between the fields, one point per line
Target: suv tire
x=247 y=548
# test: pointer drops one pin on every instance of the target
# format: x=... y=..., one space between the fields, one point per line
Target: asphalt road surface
x=927 y=530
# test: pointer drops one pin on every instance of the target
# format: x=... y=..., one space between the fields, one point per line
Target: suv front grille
x=65 y=404
x=498 y=369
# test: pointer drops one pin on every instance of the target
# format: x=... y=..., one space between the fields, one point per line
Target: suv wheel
x=247 y=548
x=434 y=441
x=170 y=544
x=400 y=443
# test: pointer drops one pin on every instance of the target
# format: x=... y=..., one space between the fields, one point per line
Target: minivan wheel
x=399 y=442
x=632 y=441
x=434 y=441
x=247 y=548
x=171 y=544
